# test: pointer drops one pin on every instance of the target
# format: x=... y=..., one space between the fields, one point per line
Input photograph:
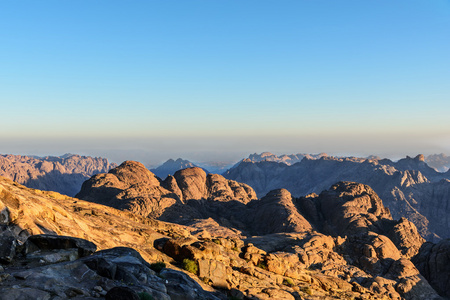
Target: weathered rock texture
x=132 y=187
x=341 y=243
x=409 y=187
x=433 y=261
x=63 y=174
x=346 y=260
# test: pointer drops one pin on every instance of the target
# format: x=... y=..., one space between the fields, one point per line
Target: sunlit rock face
x=132 y=187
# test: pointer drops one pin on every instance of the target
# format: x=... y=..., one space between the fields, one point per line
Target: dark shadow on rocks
x=67 y=184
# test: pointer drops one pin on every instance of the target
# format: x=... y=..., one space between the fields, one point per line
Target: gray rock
x=23 y=293
x=8 y=246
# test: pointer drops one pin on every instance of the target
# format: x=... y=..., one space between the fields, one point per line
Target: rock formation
x=132 y=187
x=346 y=259
x=433 y=261
x=63 y=174
x=409 y=187
x=171 y=166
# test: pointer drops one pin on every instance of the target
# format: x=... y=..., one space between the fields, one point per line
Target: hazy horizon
x=153 y=154
x=216 y=80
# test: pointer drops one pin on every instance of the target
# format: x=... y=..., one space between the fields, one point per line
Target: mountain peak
x=171 y=166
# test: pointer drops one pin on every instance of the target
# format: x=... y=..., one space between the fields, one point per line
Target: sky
x=218 y=80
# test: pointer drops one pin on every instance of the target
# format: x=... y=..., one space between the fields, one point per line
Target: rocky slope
x=409 y=187
x=346 y=247
x=63 y=174
x=171 y=166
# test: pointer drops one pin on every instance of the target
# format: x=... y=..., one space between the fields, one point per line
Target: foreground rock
x=118 y=273
x=63 y=174
x=354 y=261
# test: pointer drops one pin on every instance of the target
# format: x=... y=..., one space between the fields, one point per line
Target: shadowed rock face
x=409 y=187
x=276 y=212
x=63 y=174
x=433 y=262
x=348 y=207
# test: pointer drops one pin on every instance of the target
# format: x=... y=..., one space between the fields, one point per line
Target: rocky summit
x=64 y=174
x=171 y=166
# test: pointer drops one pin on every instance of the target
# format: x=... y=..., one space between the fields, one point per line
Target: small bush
x=158 y=266
x=307 y=290
x=288 y=282
x=217 y=241
x=190 y=266
x=205 y=280
x=262 y=265
x=236 y=249
x=145 y=296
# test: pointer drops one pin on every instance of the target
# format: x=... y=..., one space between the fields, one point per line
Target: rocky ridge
x=132 y=187
x=362 y=262
x=345 y=234
x=409 y=187
x=63 y=174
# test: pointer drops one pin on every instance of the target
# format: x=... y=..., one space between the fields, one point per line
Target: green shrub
x=190 y=265
x=145 y=296
x=288 y=282
x=262 y=265
x=306 y=289
x=217 y=241
x=158 y=266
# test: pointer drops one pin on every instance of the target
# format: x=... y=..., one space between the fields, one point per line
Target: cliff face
x=63 y=174
x=409 y=187
x=340 y=244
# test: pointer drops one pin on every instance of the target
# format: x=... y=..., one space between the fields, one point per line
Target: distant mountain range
x=64 y=174
x=440 y=162
x=409 y=187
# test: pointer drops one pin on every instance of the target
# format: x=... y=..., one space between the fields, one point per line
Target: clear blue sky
x=206 y=80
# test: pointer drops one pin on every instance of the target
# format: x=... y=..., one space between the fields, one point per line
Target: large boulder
x=276 y=212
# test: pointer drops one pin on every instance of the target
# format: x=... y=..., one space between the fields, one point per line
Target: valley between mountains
x=320 y=228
